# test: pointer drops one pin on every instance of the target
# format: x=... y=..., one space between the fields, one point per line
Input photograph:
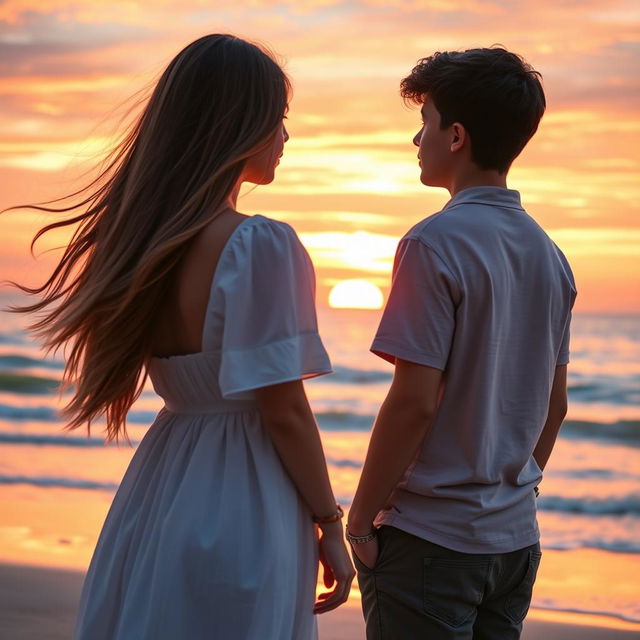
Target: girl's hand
x=337 y=568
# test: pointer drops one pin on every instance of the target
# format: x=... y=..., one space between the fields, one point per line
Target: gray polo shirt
x=480 y=291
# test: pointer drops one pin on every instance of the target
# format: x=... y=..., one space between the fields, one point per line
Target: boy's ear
x=458 y=137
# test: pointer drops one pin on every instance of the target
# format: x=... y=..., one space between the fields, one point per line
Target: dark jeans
x=420 y=590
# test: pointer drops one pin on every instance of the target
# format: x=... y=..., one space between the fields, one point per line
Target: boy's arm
x=557 y=412
x=400 y=427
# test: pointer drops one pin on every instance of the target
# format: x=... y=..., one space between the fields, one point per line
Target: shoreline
x=584 y=618
x=38 y=602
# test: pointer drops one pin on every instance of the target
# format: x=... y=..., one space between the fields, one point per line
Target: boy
x=443 y=524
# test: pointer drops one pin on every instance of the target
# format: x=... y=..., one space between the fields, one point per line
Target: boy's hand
x=367 y=552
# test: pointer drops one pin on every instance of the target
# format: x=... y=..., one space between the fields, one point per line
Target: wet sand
x=39 y=603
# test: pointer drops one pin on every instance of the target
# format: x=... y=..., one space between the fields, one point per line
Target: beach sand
x=39 y=603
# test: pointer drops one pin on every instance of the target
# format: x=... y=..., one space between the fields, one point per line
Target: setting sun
x=355 y=294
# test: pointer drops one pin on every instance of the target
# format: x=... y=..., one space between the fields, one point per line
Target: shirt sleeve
x=270 y=330
x=563 y=353
x=418 y=322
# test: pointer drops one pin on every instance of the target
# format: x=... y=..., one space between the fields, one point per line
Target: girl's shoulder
x=259 y=231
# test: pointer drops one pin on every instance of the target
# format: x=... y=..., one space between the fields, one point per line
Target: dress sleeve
x=418 y=322
x=270 y=332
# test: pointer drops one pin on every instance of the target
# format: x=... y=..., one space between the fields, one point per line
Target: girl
x=211 y=533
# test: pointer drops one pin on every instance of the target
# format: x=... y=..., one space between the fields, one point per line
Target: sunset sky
x=349 y=180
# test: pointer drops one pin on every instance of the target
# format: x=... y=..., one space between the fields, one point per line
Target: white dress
x=207 y=536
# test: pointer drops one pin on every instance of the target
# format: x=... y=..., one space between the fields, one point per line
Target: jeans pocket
x=361 y=567
x=453 y=587
x=517 y=602
x=382 y=544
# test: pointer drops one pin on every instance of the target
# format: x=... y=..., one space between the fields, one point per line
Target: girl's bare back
x=179 y=325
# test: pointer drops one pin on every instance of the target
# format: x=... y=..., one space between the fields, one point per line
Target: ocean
x=55 y=486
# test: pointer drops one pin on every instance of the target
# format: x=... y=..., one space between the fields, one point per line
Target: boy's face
x=434 y=148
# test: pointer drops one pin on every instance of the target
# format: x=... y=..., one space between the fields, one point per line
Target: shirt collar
x=492 y=196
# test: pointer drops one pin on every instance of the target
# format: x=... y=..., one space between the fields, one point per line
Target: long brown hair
x=218 y=102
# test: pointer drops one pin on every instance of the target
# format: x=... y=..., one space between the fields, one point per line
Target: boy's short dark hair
x=493 y=93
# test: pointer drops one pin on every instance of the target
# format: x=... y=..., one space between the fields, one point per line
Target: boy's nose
x=417 y=137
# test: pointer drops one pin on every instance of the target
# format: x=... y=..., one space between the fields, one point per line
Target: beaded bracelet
x=334 y=517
